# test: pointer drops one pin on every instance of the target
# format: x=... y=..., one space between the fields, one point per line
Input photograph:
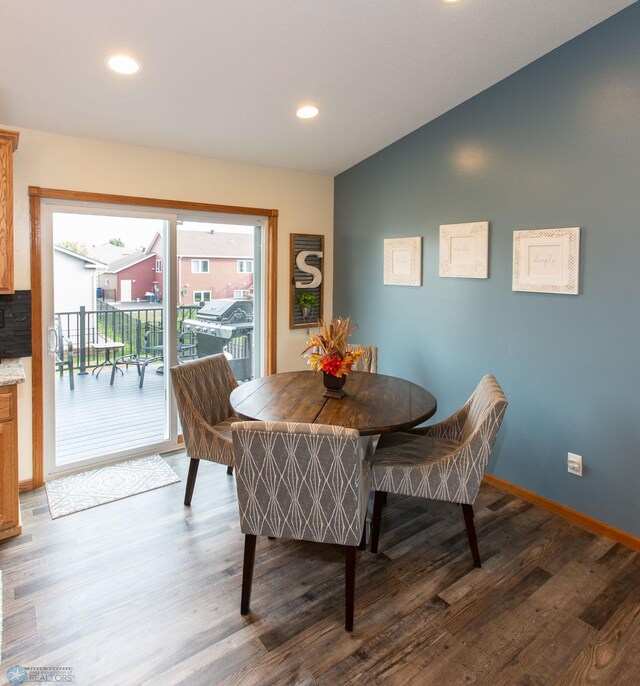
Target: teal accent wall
x=555 y=145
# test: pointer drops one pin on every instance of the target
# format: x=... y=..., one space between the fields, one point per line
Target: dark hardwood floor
x=146 y=591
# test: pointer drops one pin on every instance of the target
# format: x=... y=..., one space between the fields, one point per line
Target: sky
x=96 y=230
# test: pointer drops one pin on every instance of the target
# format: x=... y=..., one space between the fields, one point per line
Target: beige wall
x=305 y=203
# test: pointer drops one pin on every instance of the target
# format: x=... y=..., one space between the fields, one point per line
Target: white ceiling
x=222 y=78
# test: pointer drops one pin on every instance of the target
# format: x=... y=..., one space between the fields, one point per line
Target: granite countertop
x=11 y=372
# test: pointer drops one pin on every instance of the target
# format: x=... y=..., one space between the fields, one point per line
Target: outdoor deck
x=96 y=418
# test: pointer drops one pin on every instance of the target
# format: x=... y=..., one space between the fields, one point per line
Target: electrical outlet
x=574 y=464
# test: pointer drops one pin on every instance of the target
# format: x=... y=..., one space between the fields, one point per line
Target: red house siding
x=142 y=275
x=221 y=280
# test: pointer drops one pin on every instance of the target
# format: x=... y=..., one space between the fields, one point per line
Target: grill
x=225 y=326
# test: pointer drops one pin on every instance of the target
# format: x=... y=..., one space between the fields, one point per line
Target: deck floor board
x=96 y=418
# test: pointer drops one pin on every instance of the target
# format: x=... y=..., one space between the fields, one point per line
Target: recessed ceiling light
x=122 y=64
x=450 y=2
x=307 y=112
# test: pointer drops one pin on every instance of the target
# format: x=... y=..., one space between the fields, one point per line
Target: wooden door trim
x=37 y=390
x=271 y=281
x=37 y=194
x=133 y=200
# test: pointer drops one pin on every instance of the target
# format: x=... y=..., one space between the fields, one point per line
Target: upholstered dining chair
x=308 y=482
x=445 y=461
x=202 y=388
x=367 y=362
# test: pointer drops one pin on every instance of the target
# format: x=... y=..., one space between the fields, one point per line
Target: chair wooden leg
x=350 y=586
x=191 y=480
x=376 y=520
x=467 y=511
x=363 y=540
x=247 y=572
x=230 y=470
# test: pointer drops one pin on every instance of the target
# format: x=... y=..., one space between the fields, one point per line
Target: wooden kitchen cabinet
x=11 y=372
x=8 y=145
x=9 y=497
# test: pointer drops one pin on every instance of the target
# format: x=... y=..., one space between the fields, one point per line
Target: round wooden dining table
x=374 y=404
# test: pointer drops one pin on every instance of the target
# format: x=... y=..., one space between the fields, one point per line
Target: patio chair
x=64 y=354
x=445 y=461
x=187 y=346
x=148 y=349
x=151 y=349
x=307 y=482
x=202 y=389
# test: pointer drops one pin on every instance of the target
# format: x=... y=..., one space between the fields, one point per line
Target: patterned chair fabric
x=307 y=482
x=367 y=362
x=445 y=461
x=202 y=388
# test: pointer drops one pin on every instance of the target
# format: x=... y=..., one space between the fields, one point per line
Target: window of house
x=245 y=266
x=201 y=297
x=158 y=266
x=240 y=294
x=199 y=266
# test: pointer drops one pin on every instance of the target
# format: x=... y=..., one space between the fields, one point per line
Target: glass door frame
x=38 y=195
x=170 y=333
x=260 y=261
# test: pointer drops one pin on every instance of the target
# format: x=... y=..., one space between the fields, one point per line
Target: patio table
x=107 y=347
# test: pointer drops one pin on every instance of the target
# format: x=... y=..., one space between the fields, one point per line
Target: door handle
x=52 y=338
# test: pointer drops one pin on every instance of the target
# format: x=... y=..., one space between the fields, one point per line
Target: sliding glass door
x=219 y=277
x=111 y=335
x=126 y=295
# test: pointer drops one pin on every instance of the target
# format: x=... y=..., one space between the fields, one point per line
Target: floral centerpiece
x=328 y=351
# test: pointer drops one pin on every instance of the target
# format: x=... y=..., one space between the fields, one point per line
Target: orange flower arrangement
x=328 y=350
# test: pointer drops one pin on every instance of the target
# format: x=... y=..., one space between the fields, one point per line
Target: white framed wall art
x=464 y=250
x=403 y=261
x=547 y=260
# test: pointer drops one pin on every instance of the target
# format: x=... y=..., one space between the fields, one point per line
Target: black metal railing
x=131 y=327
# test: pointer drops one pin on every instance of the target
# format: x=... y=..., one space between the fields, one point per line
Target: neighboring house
x=130 y=278
x=75 y=280
x=211 y=265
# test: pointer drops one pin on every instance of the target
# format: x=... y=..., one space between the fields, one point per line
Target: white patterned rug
x=82 y=491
